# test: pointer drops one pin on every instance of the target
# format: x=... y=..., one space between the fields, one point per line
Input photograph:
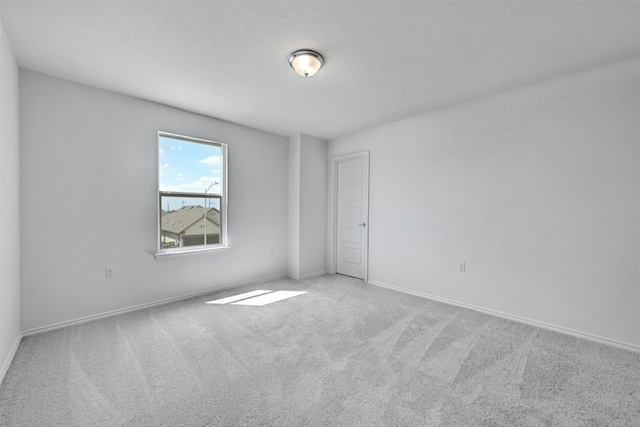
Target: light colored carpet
x=344 y=354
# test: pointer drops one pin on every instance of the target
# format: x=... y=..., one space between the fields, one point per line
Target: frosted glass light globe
x=306 y=62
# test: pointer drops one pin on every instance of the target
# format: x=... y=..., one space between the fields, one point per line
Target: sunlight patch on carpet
x=269 y=298
x=239 y=297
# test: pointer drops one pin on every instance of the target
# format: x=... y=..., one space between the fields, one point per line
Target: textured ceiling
x=384 y=60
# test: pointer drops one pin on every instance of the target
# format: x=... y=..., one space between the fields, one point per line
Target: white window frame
x=223 y=244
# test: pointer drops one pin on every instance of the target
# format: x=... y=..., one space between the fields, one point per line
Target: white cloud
x=176 y=147
x=211 y=161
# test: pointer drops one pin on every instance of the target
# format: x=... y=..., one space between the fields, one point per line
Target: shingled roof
x=179 y=220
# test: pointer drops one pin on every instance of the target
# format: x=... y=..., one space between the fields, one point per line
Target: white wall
x=537 y=190
x=9 y=206
x=313 y=205
x=88 y=161
x=307 y=206
x=294 y=207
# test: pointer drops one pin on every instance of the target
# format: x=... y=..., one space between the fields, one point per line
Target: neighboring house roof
x=179 y=220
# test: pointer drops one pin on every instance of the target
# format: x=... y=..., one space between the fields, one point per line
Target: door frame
x=333 y=211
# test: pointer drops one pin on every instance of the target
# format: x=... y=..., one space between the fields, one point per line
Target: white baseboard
x=555 y=328
x=141 y=307
x=9 y=358
x=317 y=273
x=307 y=276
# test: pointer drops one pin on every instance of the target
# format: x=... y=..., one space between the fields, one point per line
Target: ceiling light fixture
x=306 y=62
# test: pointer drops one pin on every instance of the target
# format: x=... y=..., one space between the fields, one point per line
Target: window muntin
x=192 y=187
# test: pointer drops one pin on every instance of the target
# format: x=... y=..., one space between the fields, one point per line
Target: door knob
x=362 y=224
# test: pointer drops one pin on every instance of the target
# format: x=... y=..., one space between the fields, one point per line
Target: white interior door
x=352 y=215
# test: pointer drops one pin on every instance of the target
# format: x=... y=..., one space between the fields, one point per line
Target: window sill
x=191 y=252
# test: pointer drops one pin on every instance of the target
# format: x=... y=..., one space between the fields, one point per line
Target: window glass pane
x=189 y=221
x=189 y=167
x=191 y=196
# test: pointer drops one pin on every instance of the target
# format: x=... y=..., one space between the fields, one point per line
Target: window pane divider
x=177 y=194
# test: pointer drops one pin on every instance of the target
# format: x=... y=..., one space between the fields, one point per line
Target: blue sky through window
x=189 y=167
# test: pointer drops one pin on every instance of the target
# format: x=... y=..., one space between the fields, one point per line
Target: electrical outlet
x=461 y=267
x=110 y=272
